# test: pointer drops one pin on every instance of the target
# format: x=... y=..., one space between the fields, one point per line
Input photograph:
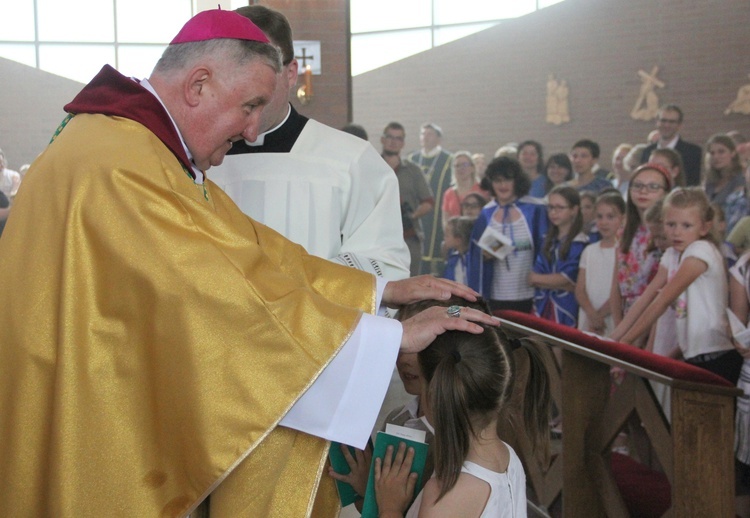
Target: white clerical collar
x=262 y=137
x=412 y=408
x=671 y=144
x=198 y=173
x=433 y=152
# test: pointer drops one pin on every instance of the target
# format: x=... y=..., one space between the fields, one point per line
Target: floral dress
x=636 y=268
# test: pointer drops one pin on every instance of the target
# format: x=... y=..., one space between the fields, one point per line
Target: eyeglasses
x=669 y=121
x=393 y=137
x=650 y=187
x=470 y=206
x=557 y=208
x=462 y=164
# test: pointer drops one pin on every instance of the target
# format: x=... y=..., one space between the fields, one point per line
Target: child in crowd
x=692 y=279
x=720 y=231
x=672 y=161
x=409 y=415
x=739 y=302
x=556 y=265
x=584 y=155
x=597 y=266
x=588 y=200
x=457 y=236
x=472 y=204
x=631 y=162
x=559 y=171
x=636 y=262
x=662 y=339
x=469 y=379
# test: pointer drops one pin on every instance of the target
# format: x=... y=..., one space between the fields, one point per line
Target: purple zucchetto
x=215 y=24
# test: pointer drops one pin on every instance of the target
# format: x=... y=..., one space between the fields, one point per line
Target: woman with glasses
x=522 y=221
x=636 y=263
x=465 y=181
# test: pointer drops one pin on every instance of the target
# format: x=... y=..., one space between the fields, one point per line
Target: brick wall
x=326 y=21
x=490 y=88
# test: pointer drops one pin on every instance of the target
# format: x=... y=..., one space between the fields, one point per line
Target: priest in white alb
x=324 y=189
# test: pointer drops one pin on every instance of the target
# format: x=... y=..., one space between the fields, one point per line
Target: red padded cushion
x=646 y=492
x=667 y=366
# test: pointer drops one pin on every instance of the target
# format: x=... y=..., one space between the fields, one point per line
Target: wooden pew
x=694 y=447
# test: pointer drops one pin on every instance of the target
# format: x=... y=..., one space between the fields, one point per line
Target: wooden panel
x=696 y=453
x=326 y=21
x=702 y=429
x=585 y=388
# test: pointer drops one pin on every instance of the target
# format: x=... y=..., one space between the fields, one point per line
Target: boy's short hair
x=461 y=226
x=592 y=146
x=394 y=126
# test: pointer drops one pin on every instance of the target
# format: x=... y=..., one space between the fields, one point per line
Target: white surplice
x=332 y=193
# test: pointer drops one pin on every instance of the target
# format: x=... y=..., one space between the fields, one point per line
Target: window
x=75 y=38
x=388 y=30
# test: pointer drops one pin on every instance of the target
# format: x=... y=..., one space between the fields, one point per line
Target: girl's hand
x=394 y=484
x=596 y=322
x=359 y=466
x=605 y=310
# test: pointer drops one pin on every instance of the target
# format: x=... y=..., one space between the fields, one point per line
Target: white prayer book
x=406 y=433
x=740 y=332
x=495 y=243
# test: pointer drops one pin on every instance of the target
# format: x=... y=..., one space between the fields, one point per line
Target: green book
x=395 y=435
x=346 y=492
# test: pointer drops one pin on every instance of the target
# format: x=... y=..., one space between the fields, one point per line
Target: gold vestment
x=152 y=336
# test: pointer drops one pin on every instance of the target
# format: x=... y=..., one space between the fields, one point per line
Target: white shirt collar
x=198 y=173
x=671 y=144
x=262 y=137
x=432 y=153
x=412 y=407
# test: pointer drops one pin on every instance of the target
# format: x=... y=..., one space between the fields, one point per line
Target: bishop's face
x=228 y=108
